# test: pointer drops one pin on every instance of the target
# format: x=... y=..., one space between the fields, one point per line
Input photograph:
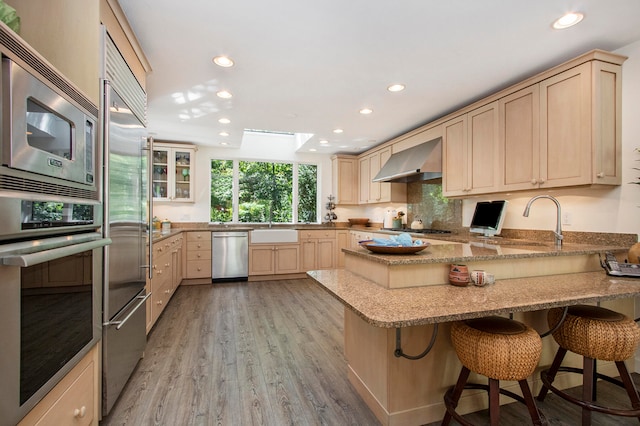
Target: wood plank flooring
x=268 y=353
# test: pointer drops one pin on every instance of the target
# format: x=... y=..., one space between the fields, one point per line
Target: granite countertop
x=406 y=307
x=467 y=252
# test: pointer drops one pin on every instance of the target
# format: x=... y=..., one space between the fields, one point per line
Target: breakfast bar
x=400 y=302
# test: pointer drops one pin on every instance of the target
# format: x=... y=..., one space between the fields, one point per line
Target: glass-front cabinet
x=172 y=172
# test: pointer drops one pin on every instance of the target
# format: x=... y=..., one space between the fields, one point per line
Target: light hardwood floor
x=267 y=353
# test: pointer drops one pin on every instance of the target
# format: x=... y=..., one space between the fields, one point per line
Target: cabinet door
x=365 y=180
x=160 y=174
x=375 y=188
x=183 y=170
x=326 y=253
x=342 y=241
x=519 y=138
x=287 y=259
x=345 y=180
x=565 y=130
x=483 y=149
x=454 y=157
x=309 y=254
x=261 y=260
x=607 y=123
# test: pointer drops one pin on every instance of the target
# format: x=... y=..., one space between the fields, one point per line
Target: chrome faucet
x=558 y=231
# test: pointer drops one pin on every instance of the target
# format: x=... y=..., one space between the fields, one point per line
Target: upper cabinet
x=378 y=192
x=172 y=168
x=67 y=35
x=345 y=179
x=563 y=131
x=558 y=129
x=470 y=152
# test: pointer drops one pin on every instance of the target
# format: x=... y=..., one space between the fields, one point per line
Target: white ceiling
x=310 y=66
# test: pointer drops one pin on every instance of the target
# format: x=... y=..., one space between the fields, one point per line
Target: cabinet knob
x=600 y=175
x=80 y=412
x=159 y=302
x=541 y=181
x=534 y=181
x=198 y=236
x=198 y=255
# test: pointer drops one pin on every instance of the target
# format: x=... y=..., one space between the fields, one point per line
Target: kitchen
x=610 y=210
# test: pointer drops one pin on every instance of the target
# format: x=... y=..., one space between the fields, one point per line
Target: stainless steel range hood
x=422 y=162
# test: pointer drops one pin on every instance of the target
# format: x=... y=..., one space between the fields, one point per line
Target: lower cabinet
x=73 y=401
x=167 y=275
x=198 y=254
x=318 y=249
x=274 y=259
x=343 y=240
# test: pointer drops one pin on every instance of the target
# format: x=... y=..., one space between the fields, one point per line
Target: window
x=267 y=192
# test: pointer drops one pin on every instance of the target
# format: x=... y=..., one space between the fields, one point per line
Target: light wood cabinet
x=345 y=179
x=74 y=400
x=67 y=34
x=167 y=276
x=563 y=131
x=173 y=172
x=198 y=254
x=470 y=152
x=342 y=241
x=274 y=259
x=318 y=249
x=378 y=192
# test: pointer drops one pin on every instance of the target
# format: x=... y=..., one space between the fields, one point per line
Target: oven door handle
x=120 y=324
x=30 y=259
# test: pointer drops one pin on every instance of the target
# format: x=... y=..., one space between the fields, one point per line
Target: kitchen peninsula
x=386 y=314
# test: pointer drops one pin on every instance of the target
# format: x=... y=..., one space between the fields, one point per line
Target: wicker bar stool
x=597 y=334
x=501 y=349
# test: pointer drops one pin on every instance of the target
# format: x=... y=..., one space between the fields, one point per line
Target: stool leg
x=494 y=402
x=455 y=396
x=628 y=384
x=552 y=372
x=531 y=404
x=587 y=388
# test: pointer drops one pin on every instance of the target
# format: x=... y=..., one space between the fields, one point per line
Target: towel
x=401 y=240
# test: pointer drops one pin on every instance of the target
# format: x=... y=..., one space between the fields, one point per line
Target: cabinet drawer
x=317 y=233
x=199 y=255
x=75 y=406
x=198 y=245
x=199 y=236
x=199 y=268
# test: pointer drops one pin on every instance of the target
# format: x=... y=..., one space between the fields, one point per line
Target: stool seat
x=500 y=349
x=596 y=333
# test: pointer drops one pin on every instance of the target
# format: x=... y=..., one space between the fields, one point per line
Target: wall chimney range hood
x=421 y=162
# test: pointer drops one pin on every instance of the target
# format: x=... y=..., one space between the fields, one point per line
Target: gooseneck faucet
x=558 y=231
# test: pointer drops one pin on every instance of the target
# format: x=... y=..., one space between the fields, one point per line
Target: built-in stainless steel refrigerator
x=125 y=260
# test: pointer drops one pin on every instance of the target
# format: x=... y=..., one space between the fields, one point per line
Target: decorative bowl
x=376 y=248
x=358 y=220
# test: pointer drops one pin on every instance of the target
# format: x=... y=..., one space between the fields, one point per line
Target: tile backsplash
x=425 y=201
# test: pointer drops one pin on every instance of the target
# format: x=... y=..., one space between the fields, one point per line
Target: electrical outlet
x=566 y=218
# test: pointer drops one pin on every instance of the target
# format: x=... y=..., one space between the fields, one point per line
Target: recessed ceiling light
x=223 y=134
x=338 y=130
x=224 y=94
x=312 y=150
x=224 y=121
x=366 y=111
x=324 y=142
x=568 y=20
x=223 y=61
x=396 y=88
x=224 y=143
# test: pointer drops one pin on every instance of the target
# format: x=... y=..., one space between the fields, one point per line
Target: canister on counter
x=166 y=225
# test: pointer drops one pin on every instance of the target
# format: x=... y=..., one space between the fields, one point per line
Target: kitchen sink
x=274 y=236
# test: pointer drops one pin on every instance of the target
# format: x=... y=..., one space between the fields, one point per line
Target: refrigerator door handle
x=120 y=324
x=149 y=147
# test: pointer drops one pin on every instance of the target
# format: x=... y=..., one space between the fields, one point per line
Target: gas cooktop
x=418 y=231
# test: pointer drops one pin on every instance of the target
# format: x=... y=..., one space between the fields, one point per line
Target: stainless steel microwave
x=44 y=132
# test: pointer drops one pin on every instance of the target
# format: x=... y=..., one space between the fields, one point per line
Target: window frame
x=235 y=189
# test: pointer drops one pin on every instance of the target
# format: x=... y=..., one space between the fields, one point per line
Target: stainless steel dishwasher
x=229 y=256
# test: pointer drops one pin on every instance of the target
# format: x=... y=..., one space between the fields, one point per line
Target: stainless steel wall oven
x=51 y=240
